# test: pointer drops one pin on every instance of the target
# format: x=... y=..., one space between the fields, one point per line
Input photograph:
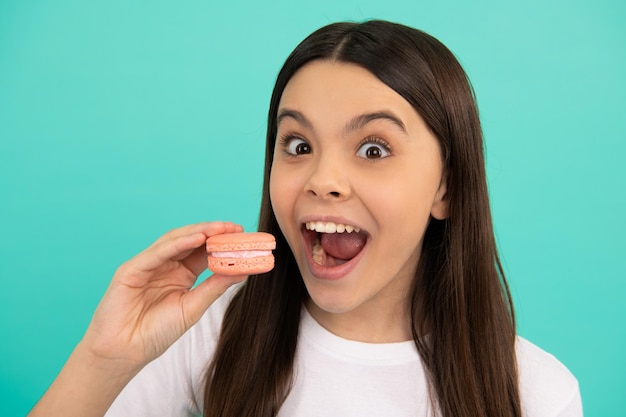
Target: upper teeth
x=330 y=227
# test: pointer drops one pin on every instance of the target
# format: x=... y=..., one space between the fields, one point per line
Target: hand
x=150 y=303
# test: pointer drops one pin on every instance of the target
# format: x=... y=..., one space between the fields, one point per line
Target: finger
x=208 y=228
x=198 y=300
x=196 y=261
x=155 y=256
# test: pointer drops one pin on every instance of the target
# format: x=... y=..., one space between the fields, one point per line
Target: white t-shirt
x=333 y=377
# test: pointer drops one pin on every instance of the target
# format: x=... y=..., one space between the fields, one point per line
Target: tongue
x=342 y=245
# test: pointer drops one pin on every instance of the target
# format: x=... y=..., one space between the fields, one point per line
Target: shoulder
x=547 y=387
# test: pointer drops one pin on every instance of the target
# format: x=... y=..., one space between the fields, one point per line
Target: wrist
x=106 y=362
x=86 y=386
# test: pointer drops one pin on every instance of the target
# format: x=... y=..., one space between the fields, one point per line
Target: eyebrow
x=295 y=115
x=359 y=121
x=354 y=124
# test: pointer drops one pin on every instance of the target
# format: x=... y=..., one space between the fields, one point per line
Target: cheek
x=402 y=213
x=281 y=192
x=275 y=191
x=402 y=198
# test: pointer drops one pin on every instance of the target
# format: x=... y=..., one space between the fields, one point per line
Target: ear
x=439 y=209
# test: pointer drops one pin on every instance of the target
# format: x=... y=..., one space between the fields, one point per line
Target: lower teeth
x=318 y=253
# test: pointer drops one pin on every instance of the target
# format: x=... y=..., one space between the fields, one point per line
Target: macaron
x=241 y=253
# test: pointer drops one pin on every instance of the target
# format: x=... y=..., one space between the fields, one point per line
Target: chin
x=331 y=300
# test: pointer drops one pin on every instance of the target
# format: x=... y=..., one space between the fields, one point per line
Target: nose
x=328 y=180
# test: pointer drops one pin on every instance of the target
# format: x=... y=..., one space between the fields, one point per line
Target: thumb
x=199 y=299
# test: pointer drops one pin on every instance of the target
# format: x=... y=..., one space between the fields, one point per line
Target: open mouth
x=333 y=244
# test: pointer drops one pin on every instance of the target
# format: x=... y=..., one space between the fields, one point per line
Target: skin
x=327 y=167
x=147 y=307
x=150 y=302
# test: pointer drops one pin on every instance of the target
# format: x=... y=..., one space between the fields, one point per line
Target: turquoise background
x=122 y=119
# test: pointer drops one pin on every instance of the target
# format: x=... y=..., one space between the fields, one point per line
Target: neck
x=370 y=322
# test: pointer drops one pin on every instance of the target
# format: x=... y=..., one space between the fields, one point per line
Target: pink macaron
x=241 y=253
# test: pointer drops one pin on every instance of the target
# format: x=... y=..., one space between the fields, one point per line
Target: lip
x=333 y=273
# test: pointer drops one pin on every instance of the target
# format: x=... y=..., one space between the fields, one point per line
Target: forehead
x=341 y=89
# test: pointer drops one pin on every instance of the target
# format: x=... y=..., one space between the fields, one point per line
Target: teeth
x=318 y=253
x=330 y=227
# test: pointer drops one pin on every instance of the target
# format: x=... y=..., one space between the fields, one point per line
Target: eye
x=297 y=146
x=373 y=148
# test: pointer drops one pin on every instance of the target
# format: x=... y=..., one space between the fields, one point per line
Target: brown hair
x=459 y=295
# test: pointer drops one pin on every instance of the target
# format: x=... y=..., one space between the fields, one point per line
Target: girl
x=388 y=297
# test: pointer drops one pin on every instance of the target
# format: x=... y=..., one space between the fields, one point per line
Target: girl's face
x=356 y=163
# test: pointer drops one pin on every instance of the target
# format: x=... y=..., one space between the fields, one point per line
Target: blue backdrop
x=122 y=119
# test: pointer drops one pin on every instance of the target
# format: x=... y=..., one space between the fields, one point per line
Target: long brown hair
x=459 y=295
